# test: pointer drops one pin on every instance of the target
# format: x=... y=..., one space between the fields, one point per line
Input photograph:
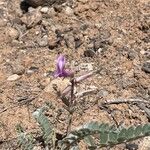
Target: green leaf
x=89 y=141
x=103 y=138
x=122 y=135
x=107 y=135
x=138 y=131
x=46 y=126
x=26 y=141
x=113 y=137
x=104 y=127
x=146 y=129
x=130 y=133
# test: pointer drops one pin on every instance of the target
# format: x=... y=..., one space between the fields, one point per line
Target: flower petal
x=60 y=63
x=60 y=68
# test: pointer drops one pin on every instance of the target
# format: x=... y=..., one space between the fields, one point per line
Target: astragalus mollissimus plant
x=94 y=134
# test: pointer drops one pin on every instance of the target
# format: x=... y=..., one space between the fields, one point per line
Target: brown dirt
x=110 y=35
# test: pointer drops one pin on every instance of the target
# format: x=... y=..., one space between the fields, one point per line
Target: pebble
x=146 y=53
x=86 y=66
x=51 y=12
x=132 y=146
x=32 y=69
x=18 y=69
x=142 y=52
x=52 y=42
x=146 y=67
x=69 y=11
x=13 y=77
x=83 y=1
x=32 y=19
x=12 y=33
x=43 y=41
x=103 y=93
x=44 y=10
x=132 y=55
x=3 y=23
x=89 y=53
x=78 y=42
x=101 y=44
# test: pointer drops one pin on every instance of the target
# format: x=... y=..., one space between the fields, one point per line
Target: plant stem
x=71 y=105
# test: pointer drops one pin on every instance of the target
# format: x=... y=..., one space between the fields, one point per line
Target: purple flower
x=60 y=68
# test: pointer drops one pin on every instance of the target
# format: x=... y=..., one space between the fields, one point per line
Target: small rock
x=142 y=52
x=32 y=18
x=43 y=41
x=18 y=69
x=147 y=54
x=83 y=1
x=30 y=9
x=44 y=10
x=146 y=67
x=99 y=50
x=89 y=53
x=78 y=42
x=51 y=12
x=3 y=23
x=94 y=6
x=132 y=146
x=101 y=44
x=13 y=77
x=12 y=33
x=32 y=69
x=146 y=39
x=37 y=148
x=104 y=34
x=52 y=42
x=69 y=41
x=102 y=93
x=131 y=55
x=83 y=27
x=86 y=66
x=69 y=11
x=93 y=87
x=58 y=8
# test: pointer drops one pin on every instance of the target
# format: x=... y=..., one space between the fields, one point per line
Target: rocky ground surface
x=112 y=36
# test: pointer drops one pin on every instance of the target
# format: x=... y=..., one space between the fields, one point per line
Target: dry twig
x=118 y=101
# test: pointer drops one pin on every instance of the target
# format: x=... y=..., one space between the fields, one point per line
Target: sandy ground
x=112 y=36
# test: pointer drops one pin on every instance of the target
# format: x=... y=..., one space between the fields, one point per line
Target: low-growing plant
x=25 y=141
x=94 y=134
